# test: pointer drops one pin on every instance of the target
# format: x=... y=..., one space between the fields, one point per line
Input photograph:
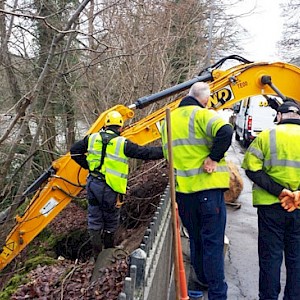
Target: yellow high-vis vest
x=115 y=164
x=277 y=152
x=193 y=131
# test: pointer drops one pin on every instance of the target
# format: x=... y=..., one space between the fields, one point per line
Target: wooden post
x=180 y=280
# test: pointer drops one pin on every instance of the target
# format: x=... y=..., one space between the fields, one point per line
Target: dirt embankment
x=69 y=277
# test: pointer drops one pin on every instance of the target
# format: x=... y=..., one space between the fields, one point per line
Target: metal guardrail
x=151 y=265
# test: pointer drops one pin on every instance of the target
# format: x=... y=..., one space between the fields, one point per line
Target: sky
x=264 y=25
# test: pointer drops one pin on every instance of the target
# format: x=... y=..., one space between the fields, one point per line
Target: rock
x=236 y=184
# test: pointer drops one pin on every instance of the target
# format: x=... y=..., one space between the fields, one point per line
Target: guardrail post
x=138 y=259
x=127 y=289
x=122 y=296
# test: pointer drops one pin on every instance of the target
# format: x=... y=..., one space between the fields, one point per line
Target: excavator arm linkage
x=65 y=179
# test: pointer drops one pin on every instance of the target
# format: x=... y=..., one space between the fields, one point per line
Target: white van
x=253 y=115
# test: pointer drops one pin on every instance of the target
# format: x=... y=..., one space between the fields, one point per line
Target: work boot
x=96 y=238
x=108 y=239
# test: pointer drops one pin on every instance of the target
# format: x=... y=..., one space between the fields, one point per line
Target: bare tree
x=82 y=60
x=15 y=94
x=33 y=95
x=141 y=47
x=290 y=43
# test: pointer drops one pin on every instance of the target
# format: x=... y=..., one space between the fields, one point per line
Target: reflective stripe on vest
x=274 y=161
x=191 y=144
x=278 y=158
x=192 y=139
x=115 y=165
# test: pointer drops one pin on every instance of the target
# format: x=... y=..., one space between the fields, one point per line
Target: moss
x=38 y=254
x=22 y=208
x=45 y=242
x=81 y=202
x=12 y=285
x=33 y=262
x=48 y=238
x=20 y=279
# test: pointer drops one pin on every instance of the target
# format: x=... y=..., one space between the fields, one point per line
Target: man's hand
x=289 y=200
x=297 y=199
x=209 y=165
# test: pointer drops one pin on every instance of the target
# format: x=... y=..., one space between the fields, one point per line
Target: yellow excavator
x=64 y=180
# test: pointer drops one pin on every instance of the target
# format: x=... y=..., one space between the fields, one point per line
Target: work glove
x=120 y=201
x=289 y=200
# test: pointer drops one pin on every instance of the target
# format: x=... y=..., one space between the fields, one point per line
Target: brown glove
x=120 y=201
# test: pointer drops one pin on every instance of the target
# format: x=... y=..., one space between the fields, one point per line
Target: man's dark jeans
x=278 y=233
x=204 y=216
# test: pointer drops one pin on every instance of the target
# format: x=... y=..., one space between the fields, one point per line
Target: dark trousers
x=278 y=233
x=204 y=216
x=102 y=211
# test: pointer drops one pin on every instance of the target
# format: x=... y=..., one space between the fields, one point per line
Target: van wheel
x=237 y=137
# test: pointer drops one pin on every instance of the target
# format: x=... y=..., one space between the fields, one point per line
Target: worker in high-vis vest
x=272 y=162
x=105 y=154
x=200 y=139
